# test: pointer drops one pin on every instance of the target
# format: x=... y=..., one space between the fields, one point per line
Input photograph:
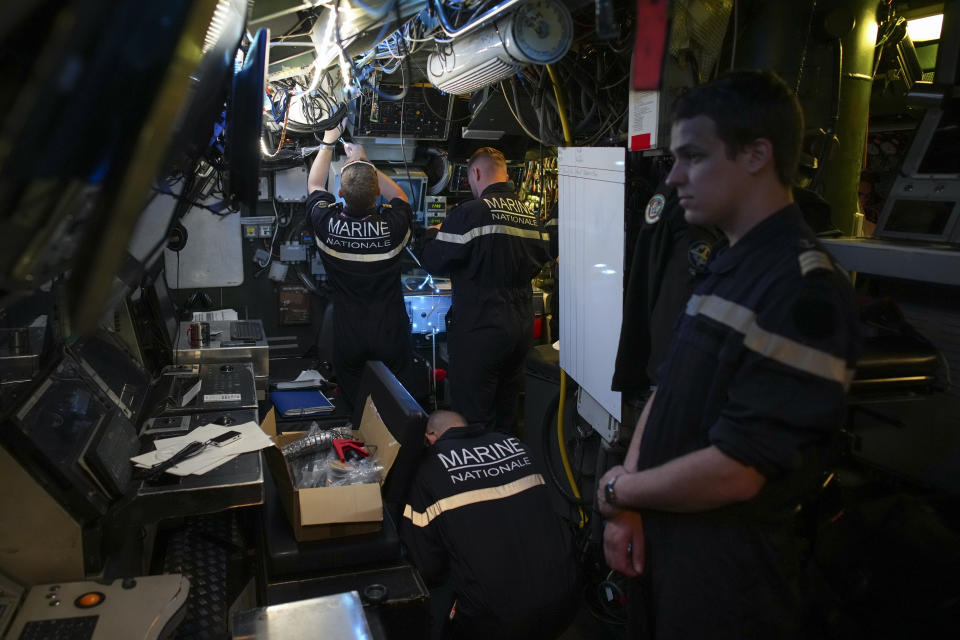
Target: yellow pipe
x=562 y=443
x=561 y=107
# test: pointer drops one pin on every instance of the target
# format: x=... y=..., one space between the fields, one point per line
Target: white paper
x=252 y=438
x=209 y=316
x=644 y=119
x=190 y=394
x=307 y=378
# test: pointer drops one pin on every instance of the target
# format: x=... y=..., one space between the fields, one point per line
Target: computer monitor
x=245 y=122
x=415 y=186
x=77 y=157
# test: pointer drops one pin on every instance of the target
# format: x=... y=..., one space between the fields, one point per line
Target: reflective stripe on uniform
x=490 y=229
x=471 y=497
x=768 y=344
x=364 y=257
x=813 y=260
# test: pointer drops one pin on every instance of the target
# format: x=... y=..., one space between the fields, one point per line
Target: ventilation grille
x=481 y=76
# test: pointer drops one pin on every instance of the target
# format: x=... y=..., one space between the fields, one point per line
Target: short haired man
x=491 y=247
x=360 y=246
x=752 y=391
x=480 y=513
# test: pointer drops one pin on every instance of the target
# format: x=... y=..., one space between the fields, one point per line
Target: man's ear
x=339 y=193
x=759 y=155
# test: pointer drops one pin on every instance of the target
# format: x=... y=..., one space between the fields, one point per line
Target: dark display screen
x=941 y=157
x=60 y=422
x=927 y=217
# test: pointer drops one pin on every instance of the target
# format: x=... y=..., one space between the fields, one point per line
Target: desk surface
x=237 y=483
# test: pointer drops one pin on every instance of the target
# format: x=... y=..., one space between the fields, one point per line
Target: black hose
x=547 y=427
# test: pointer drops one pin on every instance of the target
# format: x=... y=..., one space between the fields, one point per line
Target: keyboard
x=245 y=330
x=79 y=628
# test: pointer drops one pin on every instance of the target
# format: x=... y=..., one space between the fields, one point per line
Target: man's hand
x=354 y=151
x=606 y=509
x=435 y=226
x=332 y=135
x=623 y=543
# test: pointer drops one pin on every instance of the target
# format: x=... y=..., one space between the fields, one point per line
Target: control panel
x=378 y=117
x=436 y=209
x=146 y=607
x=213 y=387
x=227 y=385
x=257 y=226
x=168 y=426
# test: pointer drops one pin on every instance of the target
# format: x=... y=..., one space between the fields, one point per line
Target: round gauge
x=542 y=30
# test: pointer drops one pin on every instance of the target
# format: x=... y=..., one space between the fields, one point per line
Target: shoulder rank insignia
x=812 y=260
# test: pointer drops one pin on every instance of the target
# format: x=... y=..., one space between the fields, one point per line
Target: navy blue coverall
x=361 y=254
x=758 y=367
x=479 y=514
x=491 y=247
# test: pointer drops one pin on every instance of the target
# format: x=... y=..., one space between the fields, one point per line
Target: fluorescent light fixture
x=924 y=29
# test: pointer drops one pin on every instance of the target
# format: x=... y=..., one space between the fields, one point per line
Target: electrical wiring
x=283 y=135
x=353 y=65
x=516 y=116
x=218 y=212
x=273 y=239
x=426 y=101
x=414 y=204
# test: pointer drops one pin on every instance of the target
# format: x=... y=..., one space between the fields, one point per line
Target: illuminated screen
x=413 y=187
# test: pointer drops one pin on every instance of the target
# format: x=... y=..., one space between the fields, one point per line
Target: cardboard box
x=333 y=512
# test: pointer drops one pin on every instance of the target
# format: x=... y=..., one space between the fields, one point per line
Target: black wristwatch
x=608 y=492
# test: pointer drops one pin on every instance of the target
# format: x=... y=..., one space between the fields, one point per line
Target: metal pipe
x=453 y=33
x=561 y=105
x=842 y=180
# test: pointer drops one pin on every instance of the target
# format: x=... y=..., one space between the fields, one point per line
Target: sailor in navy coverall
x=360 y=246
x=491 y=247
x=751 y=395
x=479 y=515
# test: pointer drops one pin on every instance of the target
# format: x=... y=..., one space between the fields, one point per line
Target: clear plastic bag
x=324 y=469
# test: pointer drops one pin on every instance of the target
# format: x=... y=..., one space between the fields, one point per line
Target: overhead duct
x=538 y=32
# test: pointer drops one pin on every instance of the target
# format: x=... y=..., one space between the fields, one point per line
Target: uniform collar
x=469 y=431
x=726 y=257
x=350 y=212
x=497 y=187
